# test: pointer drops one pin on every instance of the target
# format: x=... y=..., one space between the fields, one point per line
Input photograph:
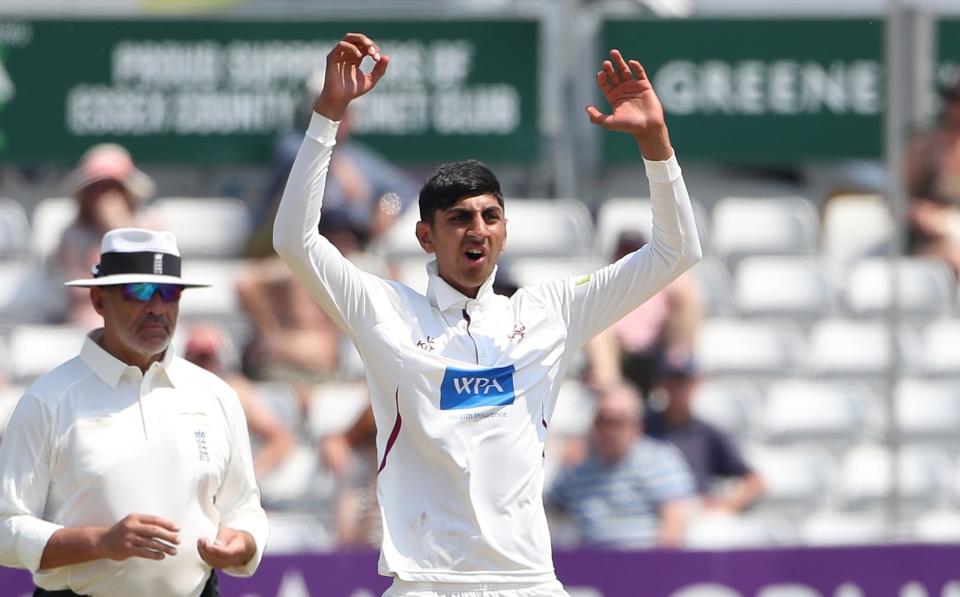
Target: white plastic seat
x=50 y=218
x=282 y=401
x=925 y=285
x=727 y=531
x=28 y=294
x=217 y=300
x=937 y=526
x=533 y=271
x=716 y=287
x=727 y=403
x=210 y=227
x=795 y=478
x=631 y=214
x=854 y=227
x=573 y=414
x=14 y=230
x=36 y=349
x=334 y=407
x=841 y=528
x=865 y=479
x=855 y=348
x=735 y=346
x=941 y=338
x=785 y=287
x=928 y=410
x=293 y=534
x=770 y=226
x=800 y=410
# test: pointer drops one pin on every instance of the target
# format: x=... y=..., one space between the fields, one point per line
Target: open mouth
x=474 y=255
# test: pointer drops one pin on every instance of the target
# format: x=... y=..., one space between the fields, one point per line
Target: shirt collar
x=108 y=367
x=444 y=296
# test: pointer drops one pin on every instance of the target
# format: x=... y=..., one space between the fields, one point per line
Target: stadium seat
x=928 y=410
x=728 y=531
x=783 y=287
x=854 y=348
x=809 y=411
x=292 y=479
x=14 y=230
x=50 y=217
x=294 y=534
x=716 y=287
x=412 y=271
x=797 y=479
x=622 y=214
x=573 y=413
x=865 y=479
x=334 y=407
x=533 y=271
x=36 y=349
x=282 y=400
x=754 y=348
x=27 y=294
x=770 y=226
x=220 y=299
x=209 y=227
x=926 y=286
x=841 y=528
x=727 y=403
x=854 y=227
x=941 y=337
x=937 y=526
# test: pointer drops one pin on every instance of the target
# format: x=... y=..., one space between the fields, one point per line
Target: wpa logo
x=466 y=388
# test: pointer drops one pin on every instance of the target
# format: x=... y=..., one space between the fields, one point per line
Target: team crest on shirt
x=426 y=344
x=472 y=388
x=519 y=331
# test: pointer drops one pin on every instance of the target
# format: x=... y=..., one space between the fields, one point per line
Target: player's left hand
x=636 y=108
x=231 y=548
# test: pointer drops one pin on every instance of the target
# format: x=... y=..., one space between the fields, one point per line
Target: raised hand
x=636 y=109
x=344 y=81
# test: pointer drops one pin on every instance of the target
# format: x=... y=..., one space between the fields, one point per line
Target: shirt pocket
x=96 y=447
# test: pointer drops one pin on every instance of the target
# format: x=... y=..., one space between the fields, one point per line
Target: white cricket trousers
x=402 y=588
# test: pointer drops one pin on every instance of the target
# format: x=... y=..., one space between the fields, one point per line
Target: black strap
x=211 y=589
x=146 y=262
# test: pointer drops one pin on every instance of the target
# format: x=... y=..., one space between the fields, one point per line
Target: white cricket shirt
x=463 y=389
x=96 y=439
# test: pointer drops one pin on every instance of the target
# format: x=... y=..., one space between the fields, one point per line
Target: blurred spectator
x=665 y=326
x=362 y=185
x=631 y=491
x=272 y=440
x=110 y=192
x=933 y=178
x=708 y=450
x=357 y=515
x=296 y=341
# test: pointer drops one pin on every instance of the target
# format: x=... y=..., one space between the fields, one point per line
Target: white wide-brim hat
x=130 y=255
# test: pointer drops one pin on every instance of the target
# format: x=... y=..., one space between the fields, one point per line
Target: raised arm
x=340 y=288
x=591 y=303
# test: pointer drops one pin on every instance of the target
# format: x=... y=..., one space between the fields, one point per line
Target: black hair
x=455 y=181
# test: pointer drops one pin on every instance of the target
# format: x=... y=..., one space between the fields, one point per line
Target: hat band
x=146 y=262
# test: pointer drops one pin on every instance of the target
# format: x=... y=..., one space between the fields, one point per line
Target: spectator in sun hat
x=110 y=192
x=139 y=478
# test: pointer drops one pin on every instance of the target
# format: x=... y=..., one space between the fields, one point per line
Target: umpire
x=127 y=470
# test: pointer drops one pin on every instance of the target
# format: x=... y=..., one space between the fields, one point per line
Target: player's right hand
x=343 y=81
x=141 y=536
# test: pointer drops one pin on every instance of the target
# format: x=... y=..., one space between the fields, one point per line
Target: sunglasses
x=144 y=291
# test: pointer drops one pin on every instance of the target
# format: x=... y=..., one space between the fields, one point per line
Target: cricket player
x=462 y=381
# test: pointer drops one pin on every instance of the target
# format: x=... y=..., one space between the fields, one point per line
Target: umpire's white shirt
x=96 y=439
x=463 y=389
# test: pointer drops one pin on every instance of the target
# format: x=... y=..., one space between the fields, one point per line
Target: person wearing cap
x=110 y=192
x=933 y=181
x=127 y=470
x=632 y=491
x=710 y=452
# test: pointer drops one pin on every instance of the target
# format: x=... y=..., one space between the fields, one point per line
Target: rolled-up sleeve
x=25 y=475
x=238 y=500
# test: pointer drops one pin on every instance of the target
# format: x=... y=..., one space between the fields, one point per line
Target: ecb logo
x=466 y=388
